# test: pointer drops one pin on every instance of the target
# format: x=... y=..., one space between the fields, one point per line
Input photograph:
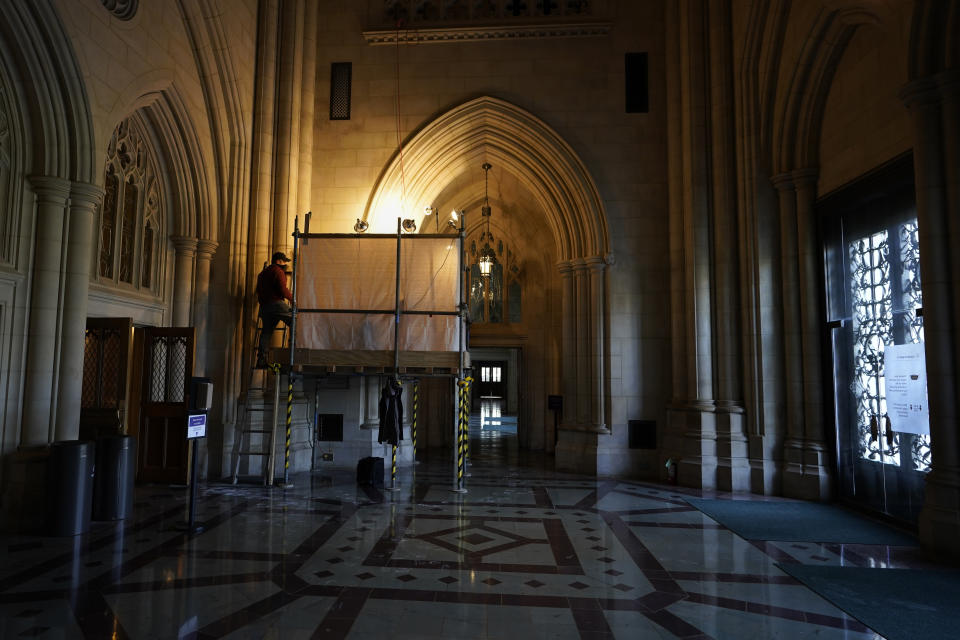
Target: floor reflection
x=527 y=552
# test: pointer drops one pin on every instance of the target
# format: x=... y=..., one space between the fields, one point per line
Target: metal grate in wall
x=341 y=74
x=642 y=434
x=329 y=427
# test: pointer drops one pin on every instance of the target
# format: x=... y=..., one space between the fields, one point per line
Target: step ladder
x=246 y=448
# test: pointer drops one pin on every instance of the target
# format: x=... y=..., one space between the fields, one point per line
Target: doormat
x=796 y=521
x=896 y=603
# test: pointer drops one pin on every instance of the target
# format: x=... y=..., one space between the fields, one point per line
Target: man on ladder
x=275 y=299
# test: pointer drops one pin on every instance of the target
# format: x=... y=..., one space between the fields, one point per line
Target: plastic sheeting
x=359 y=273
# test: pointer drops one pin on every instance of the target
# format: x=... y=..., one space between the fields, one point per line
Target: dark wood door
x=106 y=368
x=167 y=365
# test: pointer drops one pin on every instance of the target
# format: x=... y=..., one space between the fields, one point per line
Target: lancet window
x=131 y=214
x=497 y=295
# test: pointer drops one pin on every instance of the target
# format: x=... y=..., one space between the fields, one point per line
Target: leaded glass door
x=874 y=305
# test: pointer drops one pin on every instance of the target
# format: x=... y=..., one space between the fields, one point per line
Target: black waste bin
x=70 y=486
x=113 y=481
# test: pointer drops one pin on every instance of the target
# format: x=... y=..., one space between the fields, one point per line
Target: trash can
x=70 y=485
x=113 y=480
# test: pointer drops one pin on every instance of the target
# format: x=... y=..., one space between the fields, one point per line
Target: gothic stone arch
x=491 y=129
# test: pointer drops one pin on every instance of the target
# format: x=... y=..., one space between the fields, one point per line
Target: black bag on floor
x=370 y=471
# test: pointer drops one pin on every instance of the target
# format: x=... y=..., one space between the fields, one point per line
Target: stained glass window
x=885 y=295
x=108 y=223
x=128 y=231
x=131 y=215
x=496 y=297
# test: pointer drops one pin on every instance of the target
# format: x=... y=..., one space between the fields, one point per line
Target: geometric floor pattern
x=526 y=553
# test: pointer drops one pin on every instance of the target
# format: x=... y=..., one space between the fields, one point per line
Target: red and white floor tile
x=526 y=553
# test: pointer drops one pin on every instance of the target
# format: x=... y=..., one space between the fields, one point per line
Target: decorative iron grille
x=341 y=74
x=102 y=368
x=434 y=11
x=875 y=292
x=168 y=372
x=912 y=299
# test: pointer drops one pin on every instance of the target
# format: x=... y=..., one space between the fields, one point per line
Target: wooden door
x=167 y=365
x=106 y=368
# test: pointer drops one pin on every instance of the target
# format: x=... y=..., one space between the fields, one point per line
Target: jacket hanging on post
x=391 y=413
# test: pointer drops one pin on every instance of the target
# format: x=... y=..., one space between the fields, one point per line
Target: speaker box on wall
x=636 y=75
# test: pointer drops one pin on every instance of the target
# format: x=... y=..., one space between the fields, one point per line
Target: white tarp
x=360 y=273
x=905 y=374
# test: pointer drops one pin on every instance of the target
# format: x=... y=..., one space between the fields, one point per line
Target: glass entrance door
x=874 y=305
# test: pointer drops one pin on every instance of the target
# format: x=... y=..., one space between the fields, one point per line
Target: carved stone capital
x=85 y=195
x=920 y=93
x=50 y=190
x=206 y=248
x=185 y=245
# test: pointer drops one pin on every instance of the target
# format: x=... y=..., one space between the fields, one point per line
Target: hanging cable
x=403 y=184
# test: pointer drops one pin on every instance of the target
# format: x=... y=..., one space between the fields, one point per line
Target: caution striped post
x=286 y=454
x=461 y=430
x=416 y=393
x=466 y=417
x=393 y=470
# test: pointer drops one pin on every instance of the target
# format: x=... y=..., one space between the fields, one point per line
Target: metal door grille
x=168 y=366
x=102 y=369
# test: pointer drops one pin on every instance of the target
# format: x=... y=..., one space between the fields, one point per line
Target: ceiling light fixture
x=409 y=225
x=487 y=257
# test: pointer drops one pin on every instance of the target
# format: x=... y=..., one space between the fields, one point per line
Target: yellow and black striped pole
x=286 y=453
x=393 y=469
x=416 y=393
x=461 y=433
x=466 y=417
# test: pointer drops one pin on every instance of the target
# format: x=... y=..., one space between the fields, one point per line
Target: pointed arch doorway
x=548 y=212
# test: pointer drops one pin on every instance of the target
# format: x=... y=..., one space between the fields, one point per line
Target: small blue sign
x=196 y=426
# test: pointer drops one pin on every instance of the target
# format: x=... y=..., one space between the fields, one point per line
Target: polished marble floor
x=526 y=553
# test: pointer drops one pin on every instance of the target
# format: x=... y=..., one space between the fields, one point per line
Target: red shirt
x=272 y=285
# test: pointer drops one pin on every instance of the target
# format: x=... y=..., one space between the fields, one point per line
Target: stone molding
x=50 y=189
x=207 y=247
x=185 y=245
x=487 y=33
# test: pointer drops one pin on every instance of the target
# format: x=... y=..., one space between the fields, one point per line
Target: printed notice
x=196 y=426
x=905 y=371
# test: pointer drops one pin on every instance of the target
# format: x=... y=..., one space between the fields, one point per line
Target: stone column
x=307 y=87
x=692 y=417
x=815 y=466
x=370 y=403
x=596 y=267
x=581 y=307
x=936 y=166
x=286 y=158
x=793 y=348
x=568 y=343
x=41 y=379
x=186 y=249
x=80 y=246
x=201 y=305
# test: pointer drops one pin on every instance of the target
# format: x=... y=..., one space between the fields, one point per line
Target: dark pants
x=270 y=315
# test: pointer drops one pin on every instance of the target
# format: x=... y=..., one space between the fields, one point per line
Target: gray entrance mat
x=896 y=603
x=800 y=522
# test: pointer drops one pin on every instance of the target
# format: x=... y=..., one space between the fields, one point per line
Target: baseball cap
x=279 y=255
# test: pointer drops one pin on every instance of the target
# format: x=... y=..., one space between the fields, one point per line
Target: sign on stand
x=196 y=426
x=905 y=371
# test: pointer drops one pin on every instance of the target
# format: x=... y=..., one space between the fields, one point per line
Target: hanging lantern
x=487 y=257
x=486 y=261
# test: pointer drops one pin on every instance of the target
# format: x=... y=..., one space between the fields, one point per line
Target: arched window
x=131 y=214
x=496 y=296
